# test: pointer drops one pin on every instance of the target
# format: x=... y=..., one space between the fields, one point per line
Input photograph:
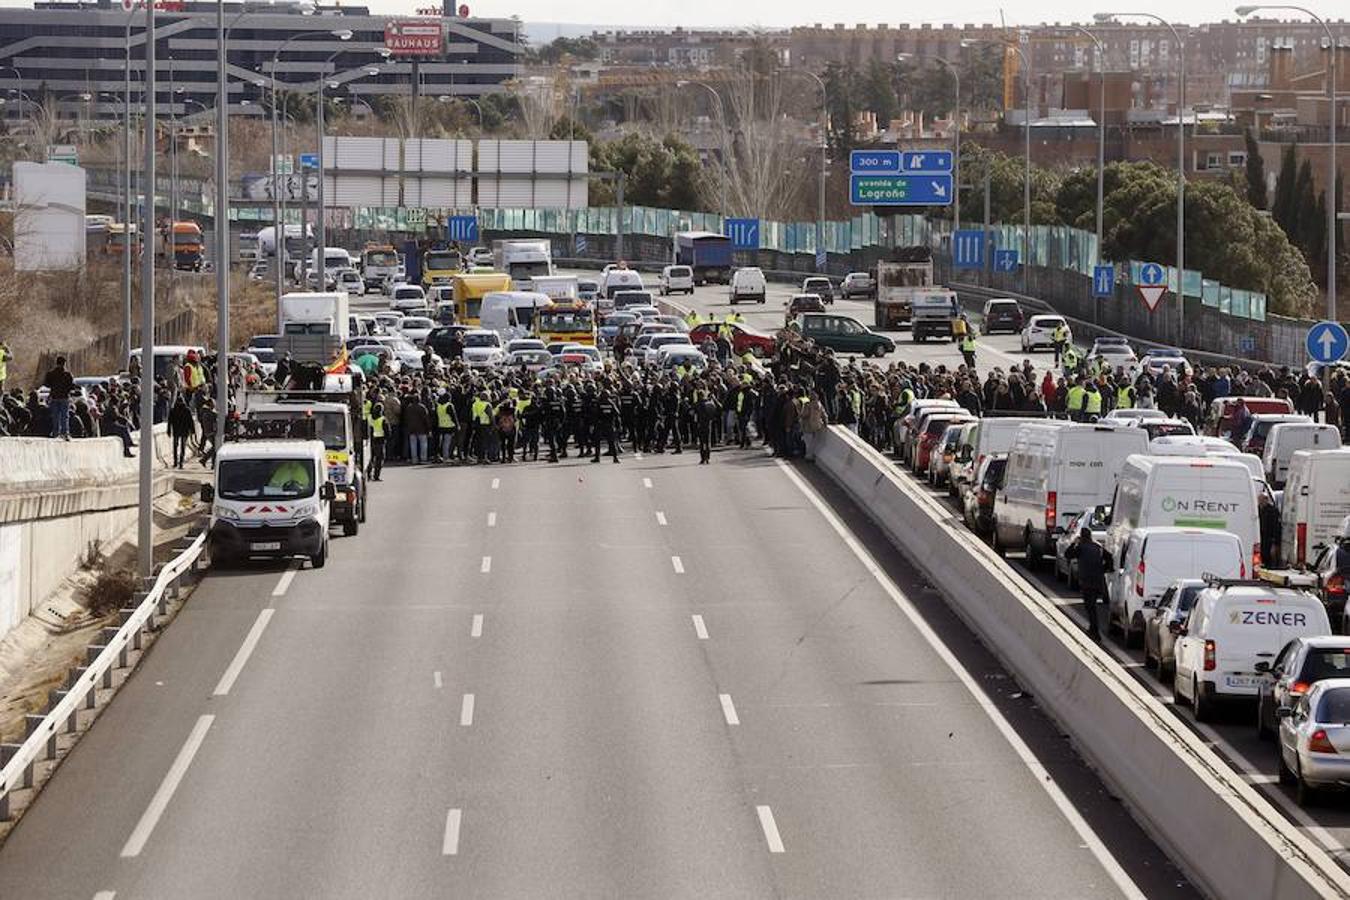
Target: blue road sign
x=462 y=228
x=744 y=233
x=309 y=160
x=968 y=250
x=1103 y=281
x=1327 y=342
x=1247 y=344
x=900 y=190
x=874 y=162
x=927 y=162
x=822 y=257
x=581 y=245
x=1152 y=275
x=1005 y=260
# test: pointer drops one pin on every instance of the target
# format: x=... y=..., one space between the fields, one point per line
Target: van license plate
x=1239 y=681
x=265 y=545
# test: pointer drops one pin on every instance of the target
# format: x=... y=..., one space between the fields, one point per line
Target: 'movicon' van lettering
x=1268 y=617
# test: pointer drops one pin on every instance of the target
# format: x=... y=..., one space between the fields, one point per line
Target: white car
x=416 y=328
x=1133 y=415
x=517 y=344
x=1040 y=332
x=380 y=350
x=1155 y=361
x=531 y=360
x=677 y=278
x=581 y=356
x=678 y=355
x=666 y=339
x=857 y=284
x=408 y=298
x=388 y=321
x=350 y=280
x=747 y=286
x=1115 y=352
x=480 y=256
x=483 y=349
x=409 y=354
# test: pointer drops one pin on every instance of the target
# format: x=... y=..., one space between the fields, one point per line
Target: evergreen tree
x=1303 y=229
x=1256 y=173
x=1285 y=209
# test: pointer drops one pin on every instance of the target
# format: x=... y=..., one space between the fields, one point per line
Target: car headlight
x=224 y=512
x=309 y=509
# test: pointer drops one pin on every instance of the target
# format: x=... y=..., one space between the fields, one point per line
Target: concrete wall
x=57 y=499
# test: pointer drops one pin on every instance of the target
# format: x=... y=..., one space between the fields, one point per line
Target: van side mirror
x=328 y=492
x=208 y=493
x=1283 y=712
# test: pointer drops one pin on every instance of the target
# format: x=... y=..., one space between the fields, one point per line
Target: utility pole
x=145 y=526
x=222 y=231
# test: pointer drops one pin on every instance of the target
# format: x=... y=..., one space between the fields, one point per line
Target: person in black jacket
x=59 y=384
x=181 y=428
x=1093 y=564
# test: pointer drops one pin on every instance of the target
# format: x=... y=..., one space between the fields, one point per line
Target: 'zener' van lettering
x=1268 y=617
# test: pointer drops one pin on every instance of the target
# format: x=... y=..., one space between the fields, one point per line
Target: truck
x=434 y=263
x=708 y=254
x=560 y=288
x=897 y=281
x=295 y=242
x=379 y=265
x=932 y=312
x=522 y=260
x=182 y=246
x=121 y=237
x=313 y=325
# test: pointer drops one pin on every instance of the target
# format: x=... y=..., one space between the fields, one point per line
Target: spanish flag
x=339 y=364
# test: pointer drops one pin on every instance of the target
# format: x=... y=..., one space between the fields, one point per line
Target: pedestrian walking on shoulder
x=181 y=428
x=59 y=384
x=1093 y=564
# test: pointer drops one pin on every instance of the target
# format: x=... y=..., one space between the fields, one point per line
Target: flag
x=339 y=364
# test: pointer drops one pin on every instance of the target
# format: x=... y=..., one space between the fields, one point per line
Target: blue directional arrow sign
x=309 y=160
x=874 y=162
x=968 y=250
x=462 y=228
x=581 y=245
x=1103 y=281
x=927 y=162
x=1005 y=260
x=900 y=190
x=1152 y=274
x=744 y=233
x=1327 y=342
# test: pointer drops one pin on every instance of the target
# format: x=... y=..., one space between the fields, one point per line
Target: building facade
x=73 y=55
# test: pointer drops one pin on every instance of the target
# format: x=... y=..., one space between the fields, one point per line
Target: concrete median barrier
x=1228 y=838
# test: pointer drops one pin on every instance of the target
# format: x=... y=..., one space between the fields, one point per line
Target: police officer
x=968 y=349
x=1075 y=400
x=553 y=418
x=377 y=438
x=1092 y=402
x=1060 y=337
x=604 y=419
x=445 y=427
x=705 y=414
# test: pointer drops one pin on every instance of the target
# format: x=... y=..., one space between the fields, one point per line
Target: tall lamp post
x=956 y=143
x=721 y=115
x=1332 y=193
x=320 y=264
x=824 y=152
x=1099 y=68
x=1181 y=161
x=145 y=549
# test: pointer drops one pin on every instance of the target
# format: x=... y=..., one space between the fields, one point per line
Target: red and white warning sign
x=1151 y=294
x=1151 y=283
x=414 y=38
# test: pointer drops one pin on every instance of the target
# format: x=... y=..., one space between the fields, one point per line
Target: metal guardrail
x=112 y=652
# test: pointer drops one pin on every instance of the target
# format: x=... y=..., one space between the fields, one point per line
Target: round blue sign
x=1151 y=274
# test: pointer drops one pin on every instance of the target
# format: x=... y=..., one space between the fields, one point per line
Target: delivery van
x=269 y=498
x=1053 y=474
x=1184 y=492
x=1153 y=558
x=1316 y=501
x=511 y=313
x=1286 y=438
x=1233 y=626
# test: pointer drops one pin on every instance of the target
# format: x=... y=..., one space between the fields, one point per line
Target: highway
x=639 y=680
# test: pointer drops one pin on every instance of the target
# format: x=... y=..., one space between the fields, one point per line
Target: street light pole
x=222 y=217
x=1331 y=186
x=721 y=115
x=126 y=209
x=1098 y=67
x=824 y=152
x=956 y=142
x=145 y=526
x=1181 y=163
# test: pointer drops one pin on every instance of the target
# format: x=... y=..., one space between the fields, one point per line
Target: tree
x=1006 y=200
x=1256 y=173
x=845 y=91
x=664 y=173
x=879 y=93
x=563 y=48
x=1285 y=208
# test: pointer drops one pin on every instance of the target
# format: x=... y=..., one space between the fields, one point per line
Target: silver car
x=1315 y=739
x=1174 y=606
x=1096 y=518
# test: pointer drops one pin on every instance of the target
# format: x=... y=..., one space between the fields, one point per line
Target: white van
x=1191 y=445
x=1054 y=473
x=996 y=434
x=1286 y=438
x=748 y=284
x=270 y=498
x=511 y=313
x=1231 y=628
x=619 y=280
x=1316 y=500
x=677 y=278
x=1155 y=557
x=1184 y=492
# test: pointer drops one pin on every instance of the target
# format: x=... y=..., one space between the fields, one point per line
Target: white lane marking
x=487 y=564
x=245 y=651
x=678 y=564
x=105 y=895
x=729 y=709
x=647 y=483
x=770 y=829
x=1039 y=774
x=699 y=628
x=477 y=629
x=496 y=483
x=466 y=710
x=164 y=794
x=660 y=518
x=436 y=679
x=450 y=845
x=492 y=520
x=286 y=578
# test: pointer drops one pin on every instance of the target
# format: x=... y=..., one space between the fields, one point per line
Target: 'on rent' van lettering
x=1267 y=617
x=1173 y=504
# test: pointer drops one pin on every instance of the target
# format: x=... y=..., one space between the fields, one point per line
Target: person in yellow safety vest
x=1070 y=357
x=1125 y=396
x=692 y=318
x=1075 y=400
x=193 y=376
x=1092 y=402
x=748 y=358
x=480 y=411
x=968 y=349
x=292 y=476
x=959 y=327
x=1060 y=338
x=680 y=372
x=378 y=430
x=445 y=428
x=724 y=330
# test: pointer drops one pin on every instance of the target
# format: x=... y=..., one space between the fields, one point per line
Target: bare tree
x=765 y=151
